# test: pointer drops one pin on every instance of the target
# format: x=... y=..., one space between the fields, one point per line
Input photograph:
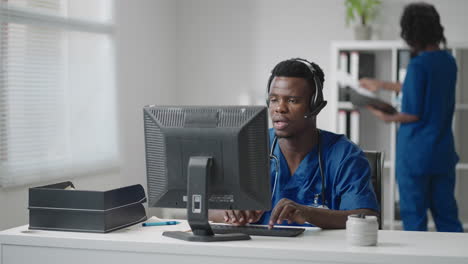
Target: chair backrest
x=375 y=159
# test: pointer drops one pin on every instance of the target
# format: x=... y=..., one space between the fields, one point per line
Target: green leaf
x=365 y=10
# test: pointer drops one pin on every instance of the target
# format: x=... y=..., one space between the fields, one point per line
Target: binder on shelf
x=344 y=119
x=343 y=71
x=352 y=67
x=343 y=62
x=404 y=57
x=342 y=122
x=61 y=207
x=362 y=64
x=354 y=124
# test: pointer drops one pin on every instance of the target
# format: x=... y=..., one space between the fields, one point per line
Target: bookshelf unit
x=390 y=59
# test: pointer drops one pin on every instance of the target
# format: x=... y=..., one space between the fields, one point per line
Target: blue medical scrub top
x=346 y=171
x=427 y=146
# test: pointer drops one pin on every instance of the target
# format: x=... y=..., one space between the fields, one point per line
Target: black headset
x=316 y=103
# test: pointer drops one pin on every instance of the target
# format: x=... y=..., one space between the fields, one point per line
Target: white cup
x=362 y=230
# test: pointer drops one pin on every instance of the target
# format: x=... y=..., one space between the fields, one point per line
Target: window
x=57 y=90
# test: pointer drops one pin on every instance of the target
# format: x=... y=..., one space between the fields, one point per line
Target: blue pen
x=161 y=223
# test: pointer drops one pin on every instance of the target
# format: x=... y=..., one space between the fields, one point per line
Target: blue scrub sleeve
x=414 y=90
x=354 y=185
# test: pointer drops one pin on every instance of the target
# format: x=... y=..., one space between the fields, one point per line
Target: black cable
x=321 y=168
x=272 y=156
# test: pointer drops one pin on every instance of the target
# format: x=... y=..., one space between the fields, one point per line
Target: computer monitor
x=207 y=157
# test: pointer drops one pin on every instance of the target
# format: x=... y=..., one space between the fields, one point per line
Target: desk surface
x=313 y=245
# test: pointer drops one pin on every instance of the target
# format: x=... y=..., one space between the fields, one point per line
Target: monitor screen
x=207 y=157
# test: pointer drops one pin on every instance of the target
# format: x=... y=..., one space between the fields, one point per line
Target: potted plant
x=364 y=11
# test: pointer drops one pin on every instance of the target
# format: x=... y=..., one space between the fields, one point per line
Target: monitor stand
x=199 y=172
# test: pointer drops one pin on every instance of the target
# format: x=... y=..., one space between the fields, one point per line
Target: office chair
x=375 y=159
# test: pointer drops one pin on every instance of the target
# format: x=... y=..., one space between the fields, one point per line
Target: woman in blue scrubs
x=426 y=157
x=318 y=177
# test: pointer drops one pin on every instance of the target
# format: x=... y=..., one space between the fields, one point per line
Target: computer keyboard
x=257 y=230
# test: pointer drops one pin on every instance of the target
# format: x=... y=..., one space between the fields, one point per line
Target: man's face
x=289 y=102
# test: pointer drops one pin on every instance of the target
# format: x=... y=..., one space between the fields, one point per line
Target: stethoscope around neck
x=277 y=164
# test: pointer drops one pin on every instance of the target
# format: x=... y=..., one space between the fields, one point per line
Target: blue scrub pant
x=421 y=192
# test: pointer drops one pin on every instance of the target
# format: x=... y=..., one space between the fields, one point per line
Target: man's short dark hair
x=295 y=68
x=420 y=26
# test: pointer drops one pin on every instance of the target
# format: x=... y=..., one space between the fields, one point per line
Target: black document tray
x=52 y=207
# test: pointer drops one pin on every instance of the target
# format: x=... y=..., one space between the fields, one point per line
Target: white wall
x=146 y=73
x=211 y=52
x=214 y=46
x=227 y=48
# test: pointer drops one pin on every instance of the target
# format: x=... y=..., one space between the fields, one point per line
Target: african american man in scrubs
x=294 y=100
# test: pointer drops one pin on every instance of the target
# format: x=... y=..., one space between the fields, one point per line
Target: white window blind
x=57 y=93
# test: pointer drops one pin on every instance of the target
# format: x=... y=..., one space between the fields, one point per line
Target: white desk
x=146 y=245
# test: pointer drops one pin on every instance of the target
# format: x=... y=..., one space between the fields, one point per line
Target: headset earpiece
x=316 y=102
x=318 y=108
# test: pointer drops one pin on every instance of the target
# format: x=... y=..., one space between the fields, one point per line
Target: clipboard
x=361 y=100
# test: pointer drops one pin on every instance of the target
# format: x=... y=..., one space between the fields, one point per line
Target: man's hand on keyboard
x=288 y=210
x=239 y=217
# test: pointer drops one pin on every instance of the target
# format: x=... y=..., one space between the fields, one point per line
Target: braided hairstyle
x=420 y=26
x=295 y=68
